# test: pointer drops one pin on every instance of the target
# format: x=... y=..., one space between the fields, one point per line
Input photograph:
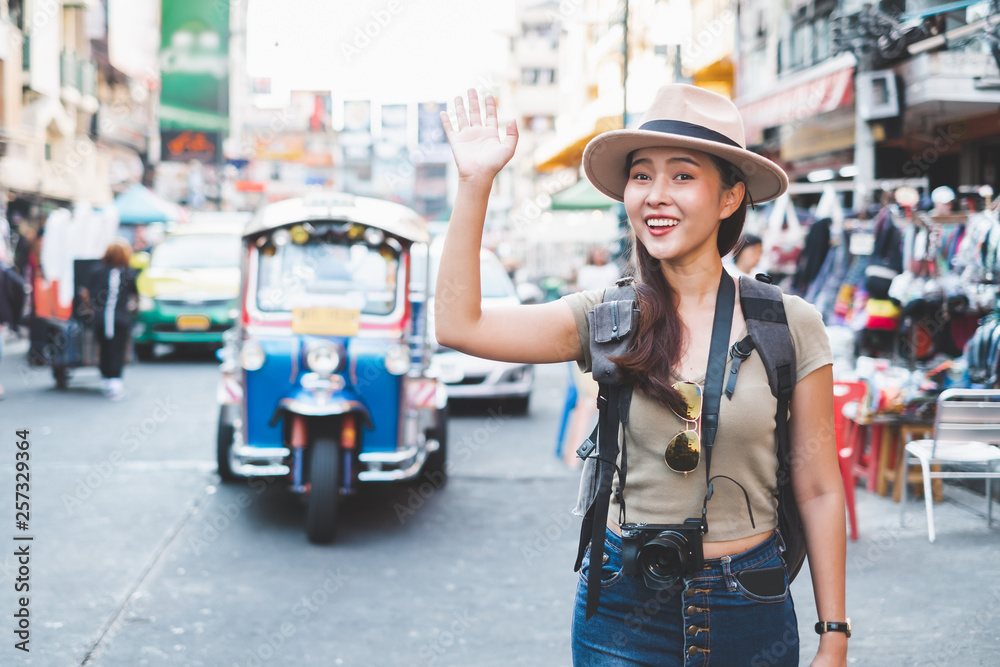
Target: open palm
x=478 y=148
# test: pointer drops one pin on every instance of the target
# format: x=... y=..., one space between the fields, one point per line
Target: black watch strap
x=826 y=626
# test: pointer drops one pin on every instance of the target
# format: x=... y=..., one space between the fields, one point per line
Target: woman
x=685 y=180
x=110 y=292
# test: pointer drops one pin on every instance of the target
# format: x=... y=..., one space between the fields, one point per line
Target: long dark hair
x=656 y=348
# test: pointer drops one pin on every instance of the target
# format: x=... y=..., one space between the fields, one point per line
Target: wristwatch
x=826 y=626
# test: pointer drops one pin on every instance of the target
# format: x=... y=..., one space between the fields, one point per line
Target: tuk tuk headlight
x=323 y=358
x=146 y=303
x=252 y=356
x=397 y=359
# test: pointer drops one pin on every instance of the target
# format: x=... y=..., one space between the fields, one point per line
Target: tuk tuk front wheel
x=437 y=460
x=324 y=490
x=224 y=445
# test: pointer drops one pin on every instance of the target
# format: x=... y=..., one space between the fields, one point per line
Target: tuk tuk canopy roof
x=390 y=217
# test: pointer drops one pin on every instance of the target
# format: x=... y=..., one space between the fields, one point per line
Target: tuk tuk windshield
x=341 y=275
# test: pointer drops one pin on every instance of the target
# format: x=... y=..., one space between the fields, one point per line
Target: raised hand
x=480 y=152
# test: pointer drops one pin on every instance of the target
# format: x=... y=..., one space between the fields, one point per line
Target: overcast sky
x=385 y=50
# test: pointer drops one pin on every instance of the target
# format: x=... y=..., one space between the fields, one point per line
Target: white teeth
x=661 y=222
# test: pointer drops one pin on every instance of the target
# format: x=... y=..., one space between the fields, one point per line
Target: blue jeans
x=708 y=619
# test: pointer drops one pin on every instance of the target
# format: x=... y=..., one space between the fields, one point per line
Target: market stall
x=910 y=298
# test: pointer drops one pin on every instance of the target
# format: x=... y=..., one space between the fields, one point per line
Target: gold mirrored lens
x=691 y=393
x=683 y=452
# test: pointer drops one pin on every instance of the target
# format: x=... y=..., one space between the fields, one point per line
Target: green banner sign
x=194 y=65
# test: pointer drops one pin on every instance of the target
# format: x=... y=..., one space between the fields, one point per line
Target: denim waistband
x=717 y=567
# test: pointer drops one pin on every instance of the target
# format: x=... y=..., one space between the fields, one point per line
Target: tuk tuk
x=326 y=380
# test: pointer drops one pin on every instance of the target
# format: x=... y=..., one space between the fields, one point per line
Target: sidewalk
x=912 y=602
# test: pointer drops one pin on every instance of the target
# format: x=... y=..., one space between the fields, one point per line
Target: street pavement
x=141 y=557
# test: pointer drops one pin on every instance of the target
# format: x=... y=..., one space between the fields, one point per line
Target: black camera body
x=662 y=553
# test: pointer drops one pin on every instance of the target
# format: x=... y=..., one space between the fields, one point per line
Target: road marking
x=132 y=466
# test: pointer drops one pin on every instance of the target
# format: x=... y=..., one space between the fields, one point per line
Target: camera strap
x=715 y=375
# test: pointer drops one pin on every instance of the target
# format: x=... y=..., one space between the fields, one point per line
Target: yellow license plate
x=192 y=323
x=326 y=321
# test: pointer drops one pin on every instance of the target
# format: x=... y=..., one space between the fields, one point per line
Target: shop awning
x=580 y=196
x=139 y=205
x=824 y=88
x=717 y=77
x=938 y=9
x=566 y=149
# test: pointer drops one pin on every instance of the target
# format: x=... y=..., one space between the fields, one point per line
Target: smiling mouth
x=662 y=222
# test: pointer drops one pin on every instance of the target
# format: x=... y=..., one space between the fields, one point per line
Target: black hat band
x=685 y=129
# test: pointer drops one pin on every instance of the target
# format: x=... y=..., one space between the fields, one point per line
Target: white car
x=468 y=377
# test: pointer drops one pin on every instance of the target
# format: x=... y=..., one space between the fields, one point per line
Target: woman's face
x=674 y=202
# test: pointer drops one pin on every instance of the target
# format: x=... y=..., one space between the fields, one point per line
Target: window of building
x=548 y=32
x=801 y=45
x=16 y=9
x=534 y=76
x=822 y=48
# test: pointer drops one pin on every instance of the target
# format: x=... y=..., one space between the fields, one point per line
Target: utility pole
x=625 y=66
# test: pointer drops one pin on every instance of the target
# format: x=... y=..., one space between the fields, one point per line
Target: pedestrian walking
x=597 y=273
x=685 y=179
x=747 y=255
x=12 y=297
x=110 y=294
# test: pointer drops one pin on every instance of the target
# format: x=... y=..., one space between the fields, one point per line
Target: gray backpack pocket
x=611 y=324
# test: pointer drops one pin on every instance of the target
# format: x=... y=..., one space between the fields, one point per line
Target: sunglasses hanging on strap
x=612 y=324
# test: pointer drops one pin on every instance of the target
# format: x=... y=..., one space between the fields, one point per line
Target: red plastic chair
x=845 y=393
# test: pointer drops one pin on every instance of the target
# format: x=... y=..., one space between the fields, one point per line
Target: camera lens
x=663 y=558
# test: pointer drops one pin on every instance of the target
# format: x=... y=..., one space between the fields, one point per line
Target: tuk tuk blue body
x=326 y=380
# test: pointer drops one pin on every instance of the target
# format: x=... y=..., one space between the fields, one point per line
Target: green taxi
x=189 y=286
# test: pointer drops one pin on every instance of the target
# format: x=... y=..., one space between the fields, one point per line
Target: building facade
x=871 y=97
x=74 y=127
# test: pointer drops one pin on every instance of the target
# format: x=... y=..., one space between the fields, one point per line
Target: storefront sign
x=183 y=145
x=798 y=103
x=194 y=66
x=834 y=132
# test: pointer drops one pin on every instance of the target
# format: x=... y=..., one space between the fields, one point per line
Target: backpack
x=612 y=323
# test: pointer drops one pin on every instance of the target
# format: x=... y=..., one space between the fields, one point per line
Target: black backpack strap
x=607 y=403
x=612 y=325
x=764 y=312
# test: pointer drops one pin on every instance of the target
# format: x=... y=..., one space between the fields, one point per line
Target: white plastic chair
x=966 y=433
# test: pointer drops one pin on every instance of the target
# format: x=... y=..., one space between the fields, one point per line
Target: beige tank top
x=745 y=447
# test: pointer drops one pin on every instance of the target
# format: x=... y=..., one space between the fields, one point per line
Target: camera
x=662 y=554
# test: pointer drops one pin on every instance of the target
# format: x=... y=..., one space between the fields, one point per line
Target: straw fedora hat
x=683 y=116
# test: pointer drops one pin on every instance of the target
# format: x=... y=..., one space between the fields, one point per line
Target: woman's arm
x=819 y=491
x=530 y=334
